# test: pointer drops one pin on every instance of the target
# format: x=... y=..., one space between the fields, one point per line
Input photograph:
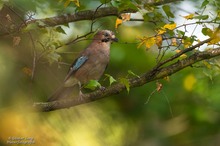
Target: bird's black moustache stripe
x=105 y=39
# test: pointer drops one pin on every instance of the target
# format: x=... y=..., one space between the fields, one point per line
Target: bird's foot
x=80 y=96
x=102 y=88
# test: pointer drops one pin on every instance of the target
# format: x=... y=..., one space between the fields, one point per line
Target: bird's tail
x=63 y=93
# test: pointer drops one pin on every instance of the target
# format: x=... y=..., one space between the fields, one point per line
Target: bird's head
x=106 y=36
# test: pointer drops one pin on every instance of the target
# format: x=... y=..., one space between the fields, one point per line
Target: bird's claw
x=80 y=96
x=102 y=88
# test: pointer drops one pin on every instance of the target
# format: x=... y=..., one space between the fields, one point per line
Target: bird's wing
x=76 y=65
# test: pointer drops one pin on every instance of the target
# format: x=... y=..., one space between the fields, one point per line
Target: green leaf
x=115 y=3
x=111 y=79
x=105 y=1
x=60 y=30
x=92 y=84
x=205 y=2
x=124 y=5
x=125 y=82
x=166 y=9
x=180 y=33
x=207 y=32
x=133 y=74
x=53 y=57
x=30 y=27
x=201 y=17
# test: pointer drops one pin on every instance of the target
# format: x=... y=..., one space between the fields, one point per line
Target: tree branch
x=81 y=15
x=134 y=82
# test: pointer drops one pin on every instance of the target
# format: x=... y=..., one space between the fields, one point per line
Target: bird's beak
x=114 y=39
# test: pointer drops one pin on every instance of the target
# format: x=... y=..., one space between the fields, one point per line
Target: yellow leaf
x=173 y=42
x=66 y=3
x=161 y=31
x=181 y=56
x=167 y=78
x=27 y=71
x=76 y=2
x=187 y=43
x=170 y=26
x=190 y=16
x=208 y=65
x=189 y=82
x=216 y=38
x=149 y=42
x=159 y=40
x=125 y=17
x=118 y=22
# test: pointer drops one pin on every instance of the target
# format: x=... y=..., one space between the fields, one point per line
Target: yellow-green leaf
x=189 y=82
x=133 y=74
x=92 y=84
x=67 y=3
x=111 y=79
x=125 y=82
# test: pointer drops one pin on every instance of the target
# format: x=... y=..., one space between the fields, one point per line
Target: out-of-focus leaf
x=189 y=82
x=187 y=42
x=181 y=56
x=105 y=1
x=30 y=27
x=27 y=71
x=166 y=9
x=53 y=56
x=170 y=26
x=111 y=79
x=207 y=64
x=118 y=22
x=207 y=32
x=67 y=2
x=188 y=17
x=124 y=17
x=163 y=29
x=148 y=41
x=60 y=30
x=173 y=42
x=92 y=84
x=204 y=3
x=159 y=40
x=201 y=17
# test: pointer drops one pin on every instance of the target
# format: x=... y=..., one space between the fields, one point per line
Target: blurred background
x=185 y=112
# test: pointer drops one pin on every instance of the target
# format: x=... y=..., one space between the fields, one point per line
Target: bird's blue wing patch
x=79 y=62
x=76 y=65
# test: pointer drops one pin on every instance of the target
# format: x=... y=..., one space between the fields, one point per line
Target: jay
x=90 y=65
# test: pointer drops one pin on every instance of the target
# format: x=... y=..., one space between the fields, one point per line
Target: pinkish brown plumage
x=90 y=65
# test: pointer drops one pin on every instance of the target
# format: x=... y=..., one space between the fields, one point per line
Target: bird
x=89 y=65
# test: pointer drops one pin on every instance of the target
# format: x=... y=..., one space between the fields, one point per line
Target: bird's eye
x=106 y=34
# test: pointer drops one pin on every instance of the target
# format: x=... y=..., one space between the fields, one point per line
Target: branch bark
x=81 y=15
x=150 y=76
x=90 y=15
